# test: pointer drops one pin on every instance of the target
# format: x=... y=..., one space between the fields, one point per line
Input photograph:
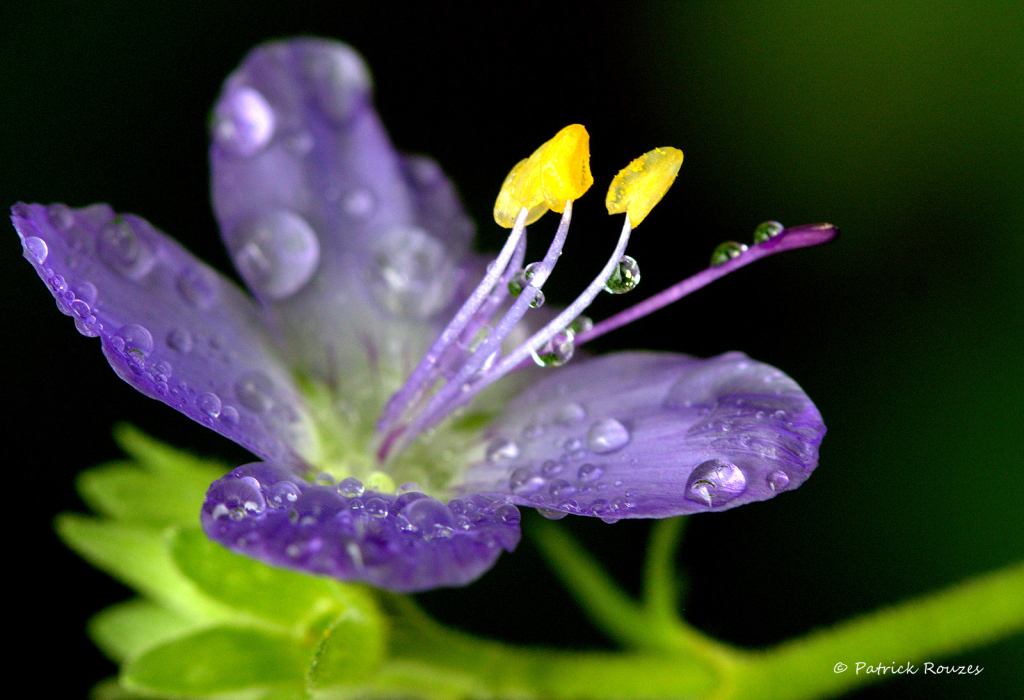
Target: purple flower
x=364 y=373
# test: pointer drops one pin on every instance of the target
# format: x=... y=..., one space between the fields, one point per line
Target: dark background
x=903 y=125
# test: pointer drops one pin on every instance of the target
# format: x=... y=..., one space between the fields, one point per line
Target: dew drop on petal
x=121 y=248
x=412 y=275
x=209 y=404
x=243 y=121
x=570 y=414
x=198 y=287
x=589 y=472
x=506 y=514
x=501 y=450
x=276 y=253
x=767 y=231
x=426 y=514
x=726 y=252
x=377 y=507
x=560 y=488
x=229 y=416
x=550 y=468
x=715 y=482
x=556 y=352
x=523 y=482
x=552 y=514
x=624 y=278
x=778 y=480
x=253 y=391
x=86 y=291
x=60 y=216
x=338 y=80
x=358 y=203
x=36 y=248
x=607 y=435
x=282 y=494
x=242 y=494
x=136 y=339
x=350 y=487
x=180 y=340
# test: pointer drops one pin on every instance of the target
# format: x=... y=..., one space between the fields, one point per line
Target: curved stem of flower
x=661 y=586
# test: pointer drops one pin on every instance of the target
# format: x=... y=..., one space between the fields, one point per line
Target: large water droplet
x=198 y=287
x=557 y=351
x=121 y=248
x=502 y=450
x=625 y=277
x=276 y=253
x=350 y=487
x=377 y=507
x=86 y=291
x=715 y=482
x=428 y=514
x=570 y=414
x=523 y=482
x=254 y=391
x=243 y=121
x=582 y=324
x=136 y=339
x=726 y=252
x=607 y=435
x=767 y=231
x=283 y=494
x=778 y=480
x=236 y=495
x=209 y=404
x=589 y=472
x=412 y=275
x=36 y=248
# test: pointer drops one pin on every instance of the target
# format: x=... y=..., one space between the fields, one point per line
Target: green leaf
x=350 y=651
x=140 y=557
x=125 y=630
x=162 y=459
x=221 y=660
x=125 y=492
x=283 y=597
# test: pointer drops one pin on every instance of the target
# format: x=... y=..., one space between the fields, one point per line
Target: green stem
x=661 y=587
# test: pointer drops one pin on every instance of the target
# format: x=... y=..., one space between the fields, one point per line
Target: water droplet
x=123 y=250
x=358 y=203
x=523 y=482
x=552 y=514
x=323 y=479
x=550 y=467
x=517 y=283
x=87 y=326
x=137 y=340
x=767 y=231
x=179 y=339
x=726 y=252
x=607 y=435
x=86 y=291
x=377 y=507
x=573 y=445
x=624 y=278
x=600 y=507
x=556 y=352
x=778 y=480
x=561 y=488
x=502 y=450
x=582 y=324
x=209 y=404
x=412 y=275
x=338 y=80
x=243 y=496
x=532 y=431
x=36 y=248
x=350 y=487
x=229 y=416
x=81 y=309
x=254 y=391
x=243 y=121
x=198 y=287
x=276 y=253
x=429 y=516
x=60 y=216
x=714 y=483
x=570 y=414
x=282 y=494
x=589 y=472
x=506 y=514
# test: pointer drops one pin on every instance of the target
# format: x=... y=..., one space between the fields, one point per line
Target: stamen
x=412 y=387
x=787 y=239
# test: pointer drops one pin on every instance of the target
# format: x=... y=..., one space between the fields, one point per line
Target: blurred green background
x=904 y=125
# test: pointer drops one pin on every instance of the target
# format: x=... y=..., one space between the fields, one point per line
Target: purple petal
x=403 y=543
x=352 y=243
x=170 y=325
x=642 y=435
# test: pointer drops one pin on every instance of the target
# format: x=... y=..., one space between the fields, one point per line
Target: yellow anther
x=506 y=207
x=557 y=171
x=642 y=183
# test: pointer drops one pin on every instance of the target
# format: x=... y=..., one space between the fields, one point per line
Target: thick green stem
x=661 y=587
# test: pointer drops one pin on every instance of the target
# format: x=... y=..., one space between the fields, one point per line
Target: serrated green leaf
x=140 y=557
x=125 y=492
x=220 y=659
x=283 y=597
x=351 y=649
x=126 y=630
